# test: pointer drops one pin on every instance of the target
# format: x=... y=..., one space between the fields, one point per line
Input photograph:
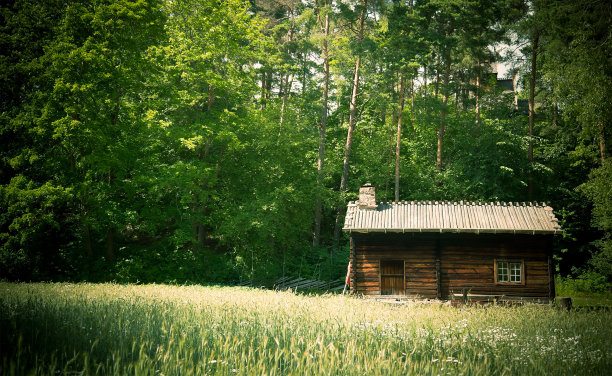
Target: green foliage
x=167 y=265
x=588 y=284
x=177 y=141
x=30 y=229
x=599 y=191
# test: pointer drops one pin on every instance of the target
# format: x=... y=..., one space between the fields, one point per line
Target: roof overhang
x=452 y=231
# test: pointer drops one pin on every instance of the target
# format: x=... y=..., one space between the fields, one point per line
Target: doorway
x=392 y=277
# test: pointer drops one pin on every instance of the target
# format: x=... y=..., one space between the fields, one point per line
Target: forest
x=215 y=141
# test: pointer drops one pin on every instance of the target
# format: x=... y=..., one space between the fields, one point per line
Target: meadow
x=193 y=330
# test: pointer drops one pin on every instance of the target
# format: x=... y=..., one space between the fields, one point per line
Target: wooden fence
x=286 y=283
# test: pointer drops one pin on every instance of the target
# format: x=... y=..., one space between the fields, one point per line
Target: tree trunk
x=281 y=85
x=352 y=121
x=478 y=95
x=399 y=136
x=437 y=83
x=321 y=160
x=269 y=77
x=211 y=99
x=555 y=120
x=304 y=70
x=349 y=144
x=443 y=112
x=288 y=84
x=284 y=92
x=263 y=89
x=412 y=99
x=602 y=142
x=110 y=234
x=199 y=229
x=458 y=104
x=425 y=80
x=532 y=82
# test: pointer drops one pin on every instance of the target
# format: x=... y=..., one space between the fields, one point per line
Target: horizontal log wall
x=419 y=264
x=469 y=264
x=466 y=262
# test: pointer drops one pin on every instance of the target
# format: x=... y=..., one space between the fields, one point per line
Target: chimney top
x=367 y=197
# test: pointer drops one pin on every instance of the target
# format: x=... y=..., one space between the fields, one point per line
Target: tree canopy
x=207 y=141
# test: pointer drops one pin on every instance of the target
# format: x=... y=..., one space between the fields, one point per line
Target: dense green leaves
x=178 y=141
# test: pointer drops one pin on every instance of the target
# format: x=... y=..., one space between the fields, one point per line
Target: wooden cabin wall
x=465 y=261
x=419 y=265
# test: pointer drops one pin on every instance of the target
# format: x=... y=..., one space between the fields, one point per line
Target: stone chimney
x=367 y=197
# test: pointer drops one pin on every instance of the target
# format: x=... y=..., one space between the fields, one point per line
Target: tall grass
x=156 y=329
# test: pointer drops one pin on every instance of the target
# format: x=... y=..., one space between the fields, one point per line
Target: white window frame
x=511 y=271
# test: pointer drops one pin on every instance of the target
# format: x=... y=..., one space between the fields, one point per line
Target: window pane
x=502 y=272
x=515 y=272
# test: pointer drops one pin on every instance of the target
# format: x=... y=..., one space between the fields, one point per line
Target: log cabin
x=451 y=250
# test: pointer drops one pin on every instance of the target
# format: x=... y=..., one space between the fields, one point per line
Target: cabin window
x=392 y=277
x=509 y=271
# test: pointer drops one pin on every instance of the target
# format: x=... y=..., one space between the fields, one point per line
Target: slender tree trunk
x=281 y=85
x=602 y=142
x=288 y=84
x=399 y=136
x=269 y=77
x=478 y=95
x=555 y=120
x=110 y=234
x=425 y=80
x=532 y=82
x=352 y=121
x=321 y=160
x=263 y=90
x=437 y=83
x=412 y=98
x=288 y=80
x=199 y=229
x=458 y=103
x=351 y=129
x=304 y=70
x=443 y=112
x=211 y=99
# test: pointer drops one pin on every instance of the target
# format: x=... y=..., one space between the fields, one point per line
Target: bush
x=587 y=283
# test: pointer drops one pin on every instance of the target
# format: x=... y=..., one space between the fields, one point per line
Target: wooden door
x=392 y=277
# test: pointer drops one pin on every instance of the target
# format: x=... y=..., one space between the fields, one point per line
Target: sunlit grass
x=158 y=329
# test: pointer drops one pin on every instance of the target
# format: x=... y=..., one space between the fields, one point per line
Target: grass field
x=168 y=330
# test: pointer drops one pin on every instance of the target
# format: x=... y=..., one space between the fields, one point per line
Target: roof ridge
x=461 y=203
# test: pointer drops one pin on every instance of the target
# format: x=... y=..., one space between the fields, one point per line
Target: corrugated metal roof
x=444 y=216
